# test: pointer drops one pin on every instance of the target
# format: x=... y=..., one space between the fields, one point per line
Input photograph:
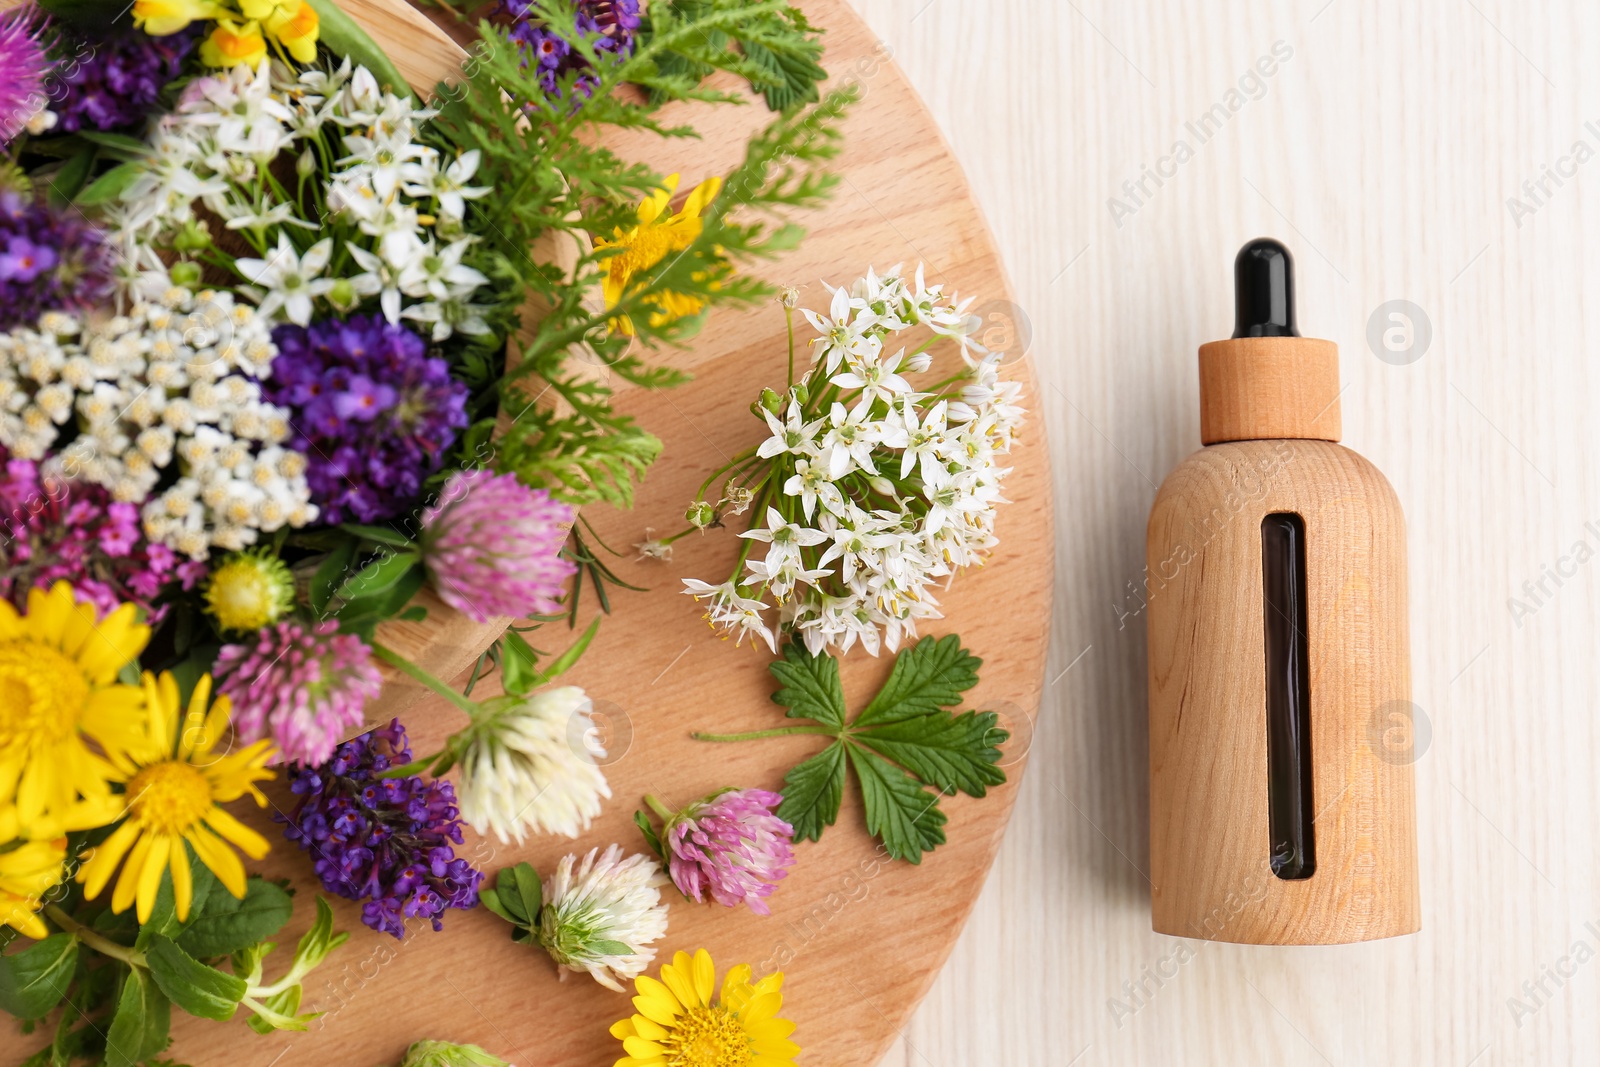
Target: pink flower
x=23 y=69
x=303 y=686
x=731 y=846
x=493 y=546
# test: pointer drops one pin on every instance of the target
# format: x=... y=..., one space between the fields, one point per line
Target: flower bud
x=444 y=1054
x=771 y=401
x=306 y=165
x=700 y=514
x=195 y=236
x=802 y=395
x=789 y=296
x=186 y=275
x=343 y=295
x=881 y=485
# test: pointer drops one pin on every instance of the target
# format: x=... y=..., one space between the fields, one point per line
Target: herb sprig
x=906 y=747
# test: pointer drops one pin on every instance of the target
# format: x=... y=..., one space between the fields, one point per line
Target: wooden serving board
x=860 y=937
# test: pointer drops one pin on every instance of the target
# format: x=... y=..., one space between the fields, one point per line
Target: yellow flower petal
x=230 y=829
x=102 y=862
x=222 y=860
x=705 y=976
x=150 y=871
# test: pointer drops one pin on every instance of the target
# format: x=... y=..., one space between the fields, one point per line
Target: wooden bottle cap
x=1262 y=388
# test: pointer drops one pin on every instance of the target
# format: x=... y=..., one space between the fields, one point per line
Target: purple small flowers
x=374 y=414
x=493 y=546
x=24 y=66
x=55 y=529
x=109 y=80
x=729 y=846
x=387 y=841
x=49 y=260
x=609 y=26
x=303 y=686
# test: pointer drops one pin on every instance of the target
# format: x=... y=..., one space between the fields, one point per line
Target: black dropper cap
x=1263 y=290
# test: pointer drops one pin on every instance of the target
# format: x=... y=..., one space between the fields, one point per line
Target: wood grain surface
x=1209 y=839
x=860 y=937
x=1384 y=152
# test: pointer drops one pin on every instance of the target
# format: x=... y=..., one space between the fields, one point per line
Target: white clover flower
x=602 y=915
x=529 y=764
x=875 y=491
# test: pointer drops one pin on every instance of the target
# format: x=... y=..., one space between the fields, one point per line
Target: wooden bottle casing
x=1209 y=845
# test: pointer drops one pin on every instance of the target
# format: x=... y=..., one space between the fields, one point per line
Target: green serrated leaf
x=139 y=1028
x=900 y=812
x=191 y=985
x=809 y=686
x=812 y=793
x=230 y=924
x=954 y=753
x=34 y=980
x=930 y=675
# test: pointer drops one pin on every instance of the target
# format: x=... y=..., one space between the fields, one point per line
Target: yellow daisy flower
x=176 y=780
x=658 y=235
x=233 y=43
x=27 y=873
x=678 y=1025
x=58 y=692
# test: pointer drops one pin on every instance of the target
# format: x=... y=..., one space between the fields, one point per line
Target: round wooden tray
x=860 y=937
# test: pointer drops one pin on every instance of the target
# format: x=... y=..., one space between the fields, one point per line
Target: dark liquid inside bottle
x=1289 y=810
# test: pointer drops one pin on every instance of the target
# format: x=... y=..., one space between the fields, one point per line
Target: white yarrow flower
x=530 y=765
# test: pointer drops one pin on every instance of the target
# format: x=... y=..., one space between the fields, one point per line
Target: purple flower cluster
x=387 y=841
x=54 y=529
x=50 y=260
x=110 y=79
x=374 y=414
x=731 y=847
x=609 y=26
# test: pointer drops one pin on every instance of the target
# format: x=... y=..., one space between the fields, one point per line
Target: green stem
x=776 y=731
x=101 y=944
x=654 y=803
x=400 y=663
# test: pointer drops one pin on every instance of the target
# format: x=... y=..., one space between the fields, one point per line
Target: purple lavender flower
x=24 y=66
x=608 y=25
x=113 y=78
x=493 y=546
x=305 y=687
x=729 y=846
x=50 y=260
x=374 y=414
x=387 y=841
x=54 y=529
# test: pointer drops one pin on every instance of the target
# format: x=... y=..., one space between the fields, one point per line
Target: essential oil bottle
x=1282 y=809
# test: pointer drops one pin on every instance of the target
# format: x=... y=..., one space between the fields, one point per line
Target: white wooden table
x=1389 y=147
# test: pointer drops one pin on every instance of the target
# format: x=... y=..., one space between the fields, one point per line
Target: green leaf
x=651 y=837
x=163 y=921
x=926 y=677
x=34 y=980
x=812 y=792
x=341 y=35
x=329 y=576
x=231 y=924
x=281 y=1011
x=564 y=662
x=795 y=75
x=120 y=146
x=316 y=943
x=530 y=893
x=110 y=185
x=489 y=897
x=519 y=670
x=139 y=1029
x=69 y=180
x=191 y=985
x=955 y=753
x=382 y=535
x=900 y=812
x=380 y=575
x=809 y=686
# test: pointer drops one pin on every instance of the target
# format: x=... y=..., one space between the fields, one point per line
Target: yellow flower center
x=242 y=595
x=42 y=693
x=169 y=797
x=708 y=1037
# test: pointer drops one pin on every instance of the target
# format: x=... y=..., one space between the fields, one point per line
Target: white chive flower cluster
x=876 y=491
x=169 y=387
x=396 y=205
